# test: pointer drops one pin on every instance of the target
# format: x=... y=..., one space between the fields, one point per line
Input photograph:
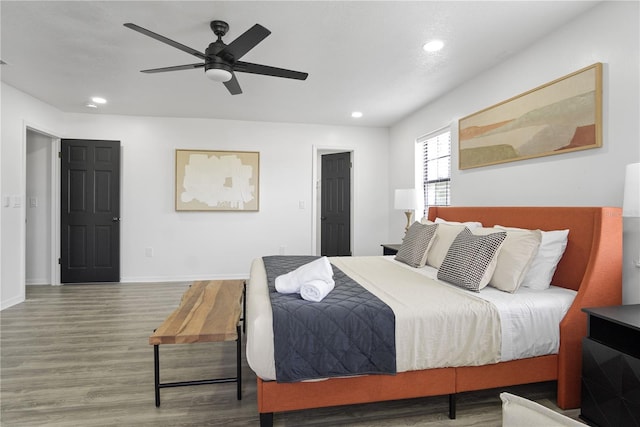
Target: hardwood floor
x=78 y=355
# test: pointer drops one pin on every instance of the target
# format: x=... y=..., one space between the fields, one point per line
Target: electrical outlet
x=282 y=250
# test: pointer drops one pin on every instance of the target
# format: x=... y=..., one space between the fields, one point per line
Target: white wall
x=200 y=245
x=608 y=33
x=190 y=245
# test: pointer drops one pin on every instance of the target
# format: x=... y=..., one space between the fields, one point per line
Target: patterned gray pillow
x=470 y=261
x=415 y=244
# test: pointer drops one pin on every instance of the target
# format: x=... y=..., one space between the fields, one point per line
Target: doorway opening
x=41 y=189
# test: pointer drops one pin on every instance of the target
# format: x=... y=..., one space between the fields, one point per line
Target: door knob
x=115 y=219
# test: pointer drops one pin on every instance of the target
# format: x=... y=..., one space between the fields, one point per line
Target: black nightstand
x=611 y=366
x=390 y=248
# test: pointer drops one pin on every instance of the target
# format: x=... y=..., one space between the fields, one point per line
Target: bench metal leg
x=238 y=378
x=244 y=307
x=156 y=373
x=239 y=361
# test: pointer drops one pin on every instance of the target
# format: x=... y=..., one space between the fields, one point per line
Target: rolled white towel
x=287 y=283
x=316 y=290
x=319 y=269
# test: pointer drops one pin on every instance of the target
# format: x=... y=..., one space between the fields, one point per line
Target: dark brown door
x=90 y=211
x=335 y=211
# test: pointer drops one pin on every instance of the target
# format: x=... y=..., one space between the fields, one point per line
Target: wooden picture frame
x=562 y=116
x=217 y=180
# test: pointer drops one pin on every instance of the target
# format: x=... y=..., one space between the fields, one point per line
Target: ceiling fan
x=220 y=59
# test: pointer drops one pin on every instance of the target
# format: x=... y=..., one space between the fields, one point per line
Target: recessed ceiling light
x=90 y=105
x=356 y=114
x=99 y=100
x=433 y=46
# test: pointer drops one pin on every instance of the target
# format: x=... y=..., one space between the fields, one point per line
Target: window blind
x=436 y=149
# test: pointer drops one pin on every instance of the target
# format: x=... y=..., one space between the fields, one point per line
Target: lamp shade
x=631 y=202
x=405 y=199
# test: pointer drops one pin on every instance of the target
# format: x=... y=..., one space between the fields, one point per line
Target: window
x=436 y=161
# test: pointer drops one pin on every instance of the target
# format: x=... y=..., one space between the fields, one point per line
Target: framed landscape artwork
x=558 y=117
x=217 y=180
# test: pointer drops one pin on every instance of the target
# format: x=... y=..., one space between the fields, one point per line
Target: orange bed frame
x=591 y=265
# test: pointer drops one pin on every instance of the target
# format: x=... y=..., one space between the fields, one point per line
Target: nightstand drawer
x=615 y=335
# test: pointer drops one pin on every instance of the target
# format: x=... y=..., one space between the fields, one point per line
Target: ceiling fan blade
x=245 y=42
x=163 y=39
x=248 y=67
x=174 y=68
x=233 y=86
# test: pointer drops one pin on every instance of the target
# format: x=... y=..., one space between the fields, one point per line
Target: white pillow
x=520 y=412
x=514 y=258
x=544 y=264
x=445 y=235
x=469 y=224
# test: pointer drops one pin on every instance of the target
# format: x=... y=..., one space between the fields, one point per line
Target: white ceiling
x=364 y=56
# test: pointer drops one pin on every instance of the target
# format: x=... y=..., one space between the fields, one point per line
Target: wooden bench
x=209 y=312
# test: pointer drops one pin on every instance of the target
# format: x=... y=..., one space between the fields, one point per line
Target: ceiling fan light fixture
x=218 y=75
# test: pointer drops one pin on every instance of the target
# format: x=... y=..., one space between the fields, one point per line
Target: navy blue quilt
x=349 y=332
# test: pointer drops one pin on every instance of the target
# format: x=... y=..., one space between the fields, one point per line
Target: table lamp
x=406 y=199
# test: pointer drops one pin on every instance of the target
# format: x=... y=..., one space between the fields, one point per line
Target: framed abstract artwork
x=562 y=116
x=217 y=180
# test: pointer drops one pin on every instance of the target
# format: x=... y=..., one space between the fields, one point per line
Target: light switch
x=33 y=202
x=17 y=201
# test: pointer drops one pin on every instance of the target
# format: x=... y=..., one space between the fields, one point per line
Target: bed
x=590 y=268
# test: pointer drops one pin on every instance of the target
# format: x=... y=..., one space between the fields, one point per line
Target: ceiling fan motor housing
x=214 y=61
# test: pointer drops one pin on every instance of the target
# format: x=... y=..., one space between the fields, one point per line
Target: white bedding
x=528 y=319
